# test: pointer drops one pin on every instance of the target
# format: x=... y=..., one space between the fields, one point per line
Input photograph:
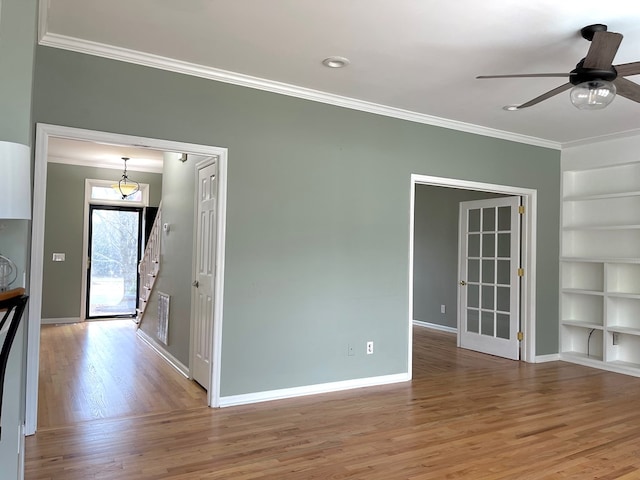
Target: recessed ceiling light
x=336 y=62
x=511 y=108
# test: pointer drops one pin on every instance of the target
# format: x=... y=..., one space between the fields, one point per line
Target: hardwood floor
x=464 y=416
x=99 y=370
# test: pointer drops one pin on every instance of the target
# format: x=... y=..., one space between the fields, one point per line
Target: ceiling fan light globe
x=593 y=95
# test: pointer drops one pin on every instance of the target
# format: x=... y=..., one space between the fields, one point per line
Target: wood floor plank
x=463 y=416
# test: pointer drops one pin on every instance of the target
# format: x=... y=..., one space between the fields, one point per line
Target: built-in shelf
x=582 y=291
x=602 y=196
x=625 y=330
x=627 y=260
x=600 y=267
x=578 y=323
x=603 y=227
x=582 y=358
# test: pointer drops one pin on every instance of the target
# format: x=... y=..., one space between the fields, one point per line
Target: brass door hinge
x=521 y=272
x=521 y=209
x=520 y=336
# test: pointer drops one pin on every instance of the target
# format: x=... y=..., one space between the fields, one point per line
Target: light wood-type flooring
x=463 y=416
x=100 y=370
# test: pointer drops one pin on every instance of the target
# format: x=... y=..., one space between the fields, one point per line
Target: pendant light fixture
x=126 y=187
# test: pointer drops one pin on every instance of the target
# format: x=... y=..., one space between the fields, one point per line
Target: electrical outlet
x=350 y=350
x=369 y=348
x=443 y=309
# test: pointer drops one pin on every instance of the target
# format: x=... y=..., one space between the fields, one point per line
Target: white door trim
x=43 y=133
x=529 y=227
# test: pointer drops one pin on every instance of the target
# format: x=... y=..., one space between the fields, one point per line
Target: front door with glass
x=115 y=239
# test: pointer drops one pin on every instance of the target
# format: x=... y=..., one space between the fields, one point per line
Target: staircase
x=149 y=266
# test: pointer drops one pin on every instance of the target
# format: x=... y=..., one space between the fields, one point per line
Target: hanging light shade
x=126 y=187
x=15 y=192
x=593 y=95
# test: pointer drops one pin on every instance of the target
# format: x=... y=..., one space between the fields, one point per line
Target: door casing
x=43 y=133
x=529 y=224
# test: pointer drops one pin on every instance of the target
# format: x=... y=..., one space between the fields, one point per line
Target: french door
x=115 y=245
x=489 y=269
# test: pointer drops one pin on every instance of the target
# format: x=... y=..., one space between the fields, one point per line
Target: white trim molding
x=166 y=356
x=435 y=326
x=284 y=393
x=553 y=357
x=225 y=76
x=60 y=321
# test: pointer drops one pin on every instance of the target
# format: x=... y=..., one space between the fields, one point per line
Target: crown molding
x=602 y=138
x=186 y=68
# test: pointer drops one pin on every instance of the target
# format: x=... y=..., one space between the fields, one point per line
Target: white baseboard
x=247 y=398
x=55 y=321
x=435 y=326
x=553 y=357
x=170 y=359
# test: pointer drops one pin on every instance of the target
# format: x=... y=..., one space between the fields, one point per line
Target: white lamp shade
x=15 y=181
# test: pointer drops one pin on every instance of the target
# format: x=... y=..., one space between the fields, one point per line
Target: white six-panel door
x=205 y=267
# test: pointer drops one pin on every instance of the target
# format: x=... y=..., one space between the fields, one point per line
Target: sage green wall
x=64 y=223
x=178 y=183
x=318 y=211
x=17 y=49
x=435 y=252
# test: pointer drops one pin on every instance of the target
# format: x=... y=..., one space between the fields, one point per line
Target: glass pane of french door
x=114 y=253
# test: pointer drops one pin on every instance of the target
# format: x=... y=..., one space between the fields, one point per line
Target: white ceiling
x=419 y=57
x=75 y=152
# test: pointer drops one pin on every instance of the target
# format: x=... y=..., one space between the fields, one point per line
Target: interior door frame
x=528 y=239
x=43 y=133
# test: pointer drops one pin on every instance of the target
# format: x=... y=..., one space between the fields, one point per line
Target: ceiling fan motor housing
x=581 y=74
x=589 y=31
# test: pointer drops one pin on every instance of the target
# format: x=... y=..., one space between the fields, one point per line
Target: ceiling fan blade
x=602 y=50
x=545 y=96
x=525 y=75
x=627 y=89
x=627 y=69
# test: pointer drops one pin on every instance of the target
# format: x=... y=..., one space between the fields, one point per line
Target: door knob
x=196 y=283
x=462 y=283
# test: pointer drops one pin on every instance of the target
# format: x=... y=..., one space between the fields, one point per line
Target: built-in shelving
x=600 y=267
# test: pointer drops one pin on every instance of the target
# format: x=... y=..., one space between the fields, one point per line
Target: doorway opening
x=44 y=134
x=527 y=307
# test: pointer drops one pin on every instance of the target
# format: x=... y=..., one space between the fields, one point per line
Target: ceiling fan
x=595 y=81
